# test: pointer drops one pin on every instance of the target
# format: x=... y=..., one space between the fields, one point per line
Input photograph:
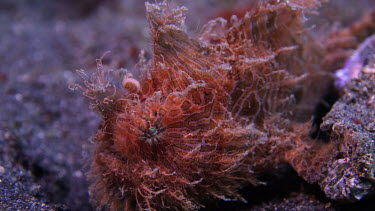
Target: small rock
x=2 y=170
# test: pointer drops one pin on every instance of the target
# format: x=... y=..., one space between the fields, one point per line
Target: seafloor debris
x=355 y=63
x=209 y=114
x=344 y=167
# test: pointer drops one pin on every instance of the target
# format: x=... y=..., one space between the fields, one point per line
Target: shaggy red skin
x=208 y=115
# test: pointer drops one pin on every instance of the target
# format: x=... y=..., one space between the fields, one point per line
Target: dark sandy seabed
x=45 y=127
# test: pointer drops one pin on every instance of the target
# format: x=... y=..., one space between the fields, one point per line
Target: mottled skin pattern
x=211 y=113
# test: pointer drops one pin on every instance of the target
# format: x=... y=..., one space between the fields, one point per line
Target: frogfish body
x=208 y=114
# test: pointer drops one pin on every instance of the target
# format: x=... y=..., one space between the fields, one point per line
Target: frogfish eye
x=151 y=132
